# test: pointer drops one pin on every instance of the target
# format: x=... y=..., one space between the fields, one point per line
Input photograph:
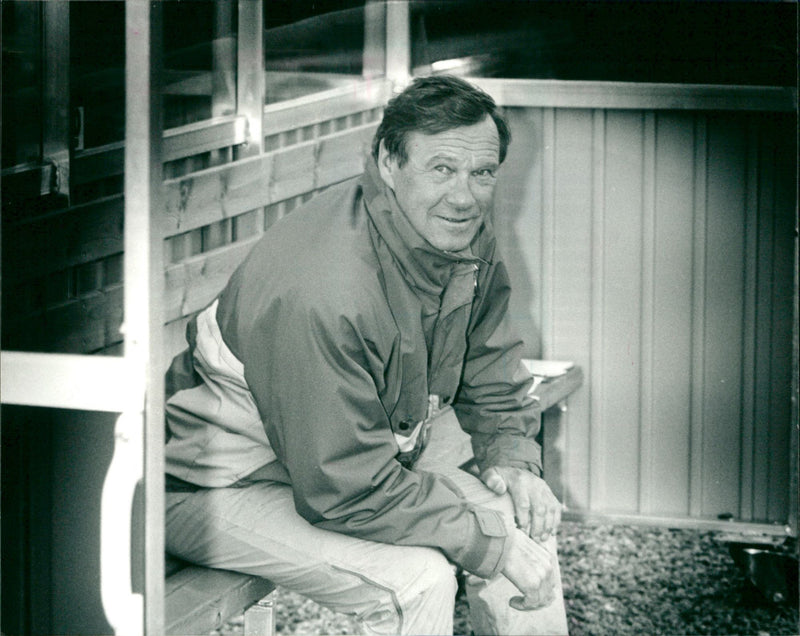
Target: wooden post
x=223 y=85
x=144 y=273
x=250 y=74
x=398 y=44
x=55 y=106
x=374 y=64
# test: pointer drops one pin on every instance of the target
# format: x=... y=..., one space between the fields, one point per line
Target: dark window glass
x=688 y=41
x=310 y=46
x=22 y=83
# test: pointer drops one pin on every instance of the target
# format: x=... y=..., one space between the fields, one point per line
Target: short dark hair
x=432 y=105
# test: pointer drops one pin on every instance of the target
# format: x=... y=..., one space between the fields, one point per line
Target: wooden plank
x=85 y=233
x=624 y=278
x=724 y=299
x=517 y=223
x=199 y=600
x=596 y=258
x=325 y=106
x=223 y=56
x=698 y=346
x=551 y=393
x=784 y=298
x=750 y=347
x=146 y=149
x=647 y=488
x=757 y=532
x=96 y=383
x=398 y=43
x=340 y=157
x=569 y=316
x=637 y=95
x=226 y=191
x=184 y=141
x=81 y=325
x=250 y=80
x=191 y=285
x=668 y=485
x=56 y=108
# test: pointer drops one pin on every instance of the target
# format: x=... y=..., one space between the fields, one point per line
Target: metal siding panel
x=760 y=336
x=518 y=224
x=749 y=344
x=782 y=322
x=724 y=298
x=647 y=315
x=700 y=197
x=637 y=231
x=596 y=259
x=566 y=322
x=667 y=476
x=621 y=306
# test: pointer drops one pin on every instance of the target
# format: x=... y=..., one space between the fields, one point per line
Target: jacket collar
x=425 y=266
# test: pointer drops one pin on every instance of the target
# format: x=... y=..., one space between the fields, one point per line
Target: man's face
x=447 y=185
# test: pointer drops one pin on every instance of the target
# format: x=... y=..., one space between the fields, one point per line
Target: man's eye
x=486 y=173
x=443 y=169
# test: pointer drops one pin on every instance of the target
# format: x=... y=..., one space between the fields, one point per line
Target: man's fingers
x=494 y=481
x=525 y=604
x=522 y=507
x=539 y=520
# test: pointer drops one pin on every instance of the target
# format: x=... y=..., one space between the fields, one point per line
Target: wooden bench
x=200 y=600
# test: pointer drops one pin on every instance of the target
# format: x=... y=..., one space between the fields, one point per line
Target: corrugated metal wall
x=655 y=248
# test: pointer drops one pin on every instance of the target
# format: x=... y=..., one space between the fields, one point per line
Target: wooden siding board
x=647 y=494
x=226 y=191
x=517 y=220
x=778 y=489
x=341 y=102
x=724 y=301
x=761 y=333
x=193 y=284
x=622 y=306
x=700 y=197
x=749 y=348
x=85 y=233
x=672 y=323
x=569 y=231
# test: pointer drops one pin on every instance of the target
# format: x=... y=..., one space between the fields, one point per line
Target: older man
x=300 y=412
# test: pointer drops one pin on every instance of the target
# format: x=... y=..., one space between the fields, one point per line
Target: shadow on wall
x=517 y=220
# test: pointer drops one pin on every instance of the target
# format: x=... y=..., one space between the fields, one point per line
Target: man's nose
x=460 y=195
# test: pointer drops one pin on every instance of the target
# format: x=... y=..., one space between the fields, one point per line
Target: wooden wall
x=655 y=248
x=651 y=246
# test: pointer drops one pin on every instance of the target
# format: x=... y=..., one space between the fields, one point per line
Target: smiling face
x=447 y=185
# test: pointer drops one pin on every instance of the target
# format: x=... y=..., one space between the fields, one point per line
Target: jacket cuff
x=507 y=450
x=485 y=551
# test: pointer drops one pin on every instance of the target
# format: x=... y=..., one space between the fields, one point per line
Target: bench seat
x=199 y=600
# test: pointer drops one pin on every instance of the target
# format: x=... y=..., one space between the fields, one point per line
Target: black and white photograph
x=399 y=317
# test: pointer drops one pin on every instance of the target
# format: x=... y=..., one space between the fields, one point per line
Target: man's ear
x=386 y=165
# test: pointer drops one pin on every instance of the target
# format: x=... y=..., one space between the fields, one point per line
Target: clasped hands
x=537 y=512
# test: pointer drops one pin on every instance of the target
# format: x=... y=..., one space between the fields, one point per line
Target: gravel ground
x=620 y=580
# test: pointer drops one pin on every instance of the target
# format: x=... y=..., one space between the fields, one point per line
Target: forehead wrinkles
x=470 y=145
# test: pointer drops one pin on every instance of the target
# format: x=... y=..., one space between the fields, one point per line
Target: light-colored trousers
x=390 y=589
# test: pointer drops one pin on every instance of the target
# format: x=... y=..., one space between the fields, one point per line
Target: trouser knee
x=423 y=603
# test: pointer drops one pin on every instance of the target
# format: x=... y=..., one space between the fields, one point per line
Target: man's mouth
x=457 y=221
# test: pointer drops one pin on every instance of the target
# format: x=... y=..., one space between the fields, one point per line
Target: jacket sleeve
x=493 y=404
x=316 y=376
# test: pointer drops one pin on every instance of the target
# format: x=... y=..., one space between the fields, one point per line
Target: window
x=679 y=41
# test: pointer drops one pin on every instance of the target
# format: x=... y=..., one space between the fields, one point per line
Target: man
x=299 y=414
